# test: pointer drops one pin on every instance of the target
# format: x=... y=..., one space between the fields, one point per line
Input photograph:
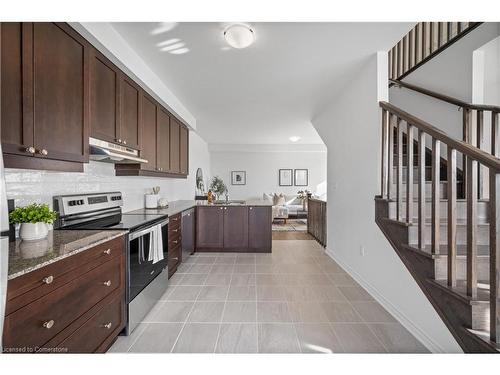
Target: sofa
x=284 y=205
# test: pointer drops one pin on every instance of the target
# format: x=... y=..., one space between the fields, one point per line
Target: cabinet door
x=163 y=140
x=259 y=228
x=104 y=98
x=175 y=166
x=188 y=233
x=148 y=125
x=235 y=228
x=60 y=92
x=209 y=227
x=184 y=150
x=17 y=129
x=130 y=95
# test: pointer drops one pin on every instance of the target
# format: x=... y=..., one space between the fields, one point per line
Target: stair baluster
x=409 y=173
x=452 y=216
x=472 y=187
x=494 y=256
x=399 y=182
x=436 y=177
x=421 y=189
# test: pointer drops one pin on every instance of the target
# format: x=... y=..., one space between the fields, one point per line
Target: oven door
x=141 y=270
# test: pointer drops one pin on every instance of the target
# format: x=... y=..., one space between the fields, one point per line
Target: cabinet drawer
x=174 y=240
x=97 y=329
x=174 y=259
x=174 y=221
x=25 y=289
x=36 y=323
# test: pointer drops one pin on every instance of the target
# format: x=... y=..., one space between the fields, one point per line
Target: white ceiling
x=268 y=92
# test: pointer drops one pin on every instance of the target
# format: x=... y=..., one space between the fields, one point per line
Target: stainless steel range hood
x=112 y=153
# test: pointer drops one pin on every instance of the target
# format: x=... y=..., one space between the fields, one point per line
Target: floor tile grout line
x=137 y=338
x=184 y=325
x=223 y=312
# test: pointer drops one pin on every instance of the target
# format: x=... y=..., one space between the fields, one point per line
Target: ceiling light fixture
x=294 y=138
x=239 y=36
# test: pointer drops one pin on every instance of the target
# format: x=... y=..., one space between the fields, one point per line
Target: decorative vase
x=33 y=231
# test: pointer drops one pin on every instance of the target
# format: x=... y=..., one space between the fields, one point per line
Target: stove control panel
x=82 y=203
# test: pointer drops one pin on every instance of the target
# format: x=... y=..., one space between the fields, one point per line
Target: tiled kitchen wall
x=28 y=186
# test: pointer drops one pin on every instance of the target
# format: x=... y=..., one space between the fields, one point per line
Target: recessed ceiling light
x=179 y=51
x=173 y=46
x=294 y=138
x=239 y=36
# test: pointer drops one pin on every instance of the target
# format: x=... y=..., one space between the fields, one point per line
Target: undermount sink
x=230 y=202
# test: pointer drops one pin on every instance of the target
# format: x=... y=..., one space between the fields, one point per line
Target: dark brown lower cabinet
x=316 y=220
x=235 y=228
x=259 y=229
x=81 y=309
x=209 y=228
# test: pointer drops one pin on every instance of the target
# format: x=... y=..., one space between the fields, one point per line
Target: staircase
x=449 y=241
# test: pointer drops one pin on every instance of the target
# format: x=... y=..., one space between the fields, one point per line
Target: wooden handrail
x=464 y=148
x=445 y=98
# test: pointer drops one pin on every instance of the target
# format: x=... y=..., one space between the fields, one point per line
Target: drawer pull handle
x=107 y=251
x=175 y=230
x=107 y=325
x=48 y=279
x=175 y=258
x=48 y=324
x=174 y=219
x=152 y=272
x=107 y=283
x=175 y=242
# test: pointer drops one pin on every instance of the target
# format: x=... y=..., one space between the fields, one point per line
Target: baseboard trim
x=420 y=335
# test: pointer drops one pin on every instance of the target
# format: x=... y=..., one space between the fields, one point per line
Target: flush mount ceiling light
x=294 y=138
x=239 y=36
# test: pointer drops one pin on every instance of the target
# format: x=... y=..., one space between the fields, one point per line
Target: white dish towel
x=155 y=245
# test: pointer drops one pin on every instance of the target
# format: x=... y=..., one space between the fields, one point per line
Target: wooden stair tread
x=483 y=291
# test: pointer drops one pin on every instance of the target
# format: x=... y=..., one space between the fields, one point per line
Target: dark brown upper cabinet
x=175 y=157
x=148 y=125
x=104 y=98
x=184 y=150
x=17 y=136
x=130 y=97
x=47 y=111
x=162 y=140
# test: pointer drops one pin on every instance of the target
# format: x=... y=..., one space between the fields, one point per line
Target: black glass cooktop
x=125 y=222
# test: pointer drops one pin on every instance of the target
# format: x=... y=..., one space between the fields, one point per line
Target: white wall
x=27 y=186
x=350 y=128
x=262 y=170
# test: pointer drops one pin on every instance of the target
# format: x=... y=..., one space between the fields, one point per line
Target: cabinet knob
x=107 y=251
x=107 y=325
x=175 y=230
x=30 y=150
x=175 y=242
x=124 y=142
x=174 y=219
x=43 y=152
x=48 y=279
x=251 y=208
x=221 y=208
x=175 y=258
x=225 y=208
x=48 y=324
x=119 y=141
x=107 y=283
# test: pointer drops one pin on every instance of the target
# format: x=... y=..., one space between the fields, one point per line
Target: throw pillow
x=268 y=197
x=280 y=201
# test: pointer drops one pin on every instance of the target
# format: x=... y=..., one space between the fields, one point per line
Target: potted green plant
x=34 y=220
x=218 y=187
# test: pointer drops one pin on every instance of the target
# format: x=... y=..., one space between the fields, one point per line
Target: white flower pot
x=33 y=231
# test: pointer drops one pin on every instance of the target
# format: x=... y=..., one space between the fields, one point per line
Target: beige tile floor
x=295 y=300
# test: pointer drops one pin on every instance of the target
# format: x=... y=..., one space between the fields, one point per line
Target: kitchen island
x=238 y=226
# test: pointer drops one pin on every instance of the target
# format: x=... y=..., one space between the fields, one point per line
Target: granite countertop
x=27 y=256
x=182 y=205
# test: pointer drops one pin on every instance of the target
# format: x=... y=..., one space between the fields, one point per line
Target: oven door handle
x=134 y=235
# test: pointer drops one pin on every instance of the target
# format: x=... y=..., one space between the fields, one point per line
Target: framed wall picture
x=286 y=177
x=238 y=178
x=301 y=177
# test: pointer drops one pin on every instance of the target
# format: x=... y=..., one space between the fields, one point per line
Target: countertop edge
x=83 y=248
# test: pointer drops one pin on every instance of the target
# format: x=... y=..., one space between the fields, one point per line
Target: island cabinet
x=209 y=228
x=259 y=228
x=45 y=96
x=233 y=228
x=76 y=304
